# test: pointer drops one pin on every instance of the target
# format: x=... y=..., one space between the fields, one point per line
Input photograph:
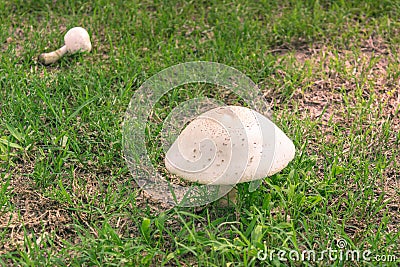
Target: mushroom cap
x=229 y=145
x=77 y=39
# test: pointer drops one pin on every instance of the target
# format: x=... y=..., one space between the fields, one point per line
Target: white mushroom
x=76 y=40
x=229 y=145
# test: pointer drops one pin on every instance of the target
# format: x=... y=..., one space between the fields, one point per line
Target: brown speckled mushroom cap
x=229 y=145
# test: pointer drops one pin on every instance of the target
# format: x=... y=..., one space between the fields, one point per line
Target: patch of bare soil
x=333 y=99
x=32 y=215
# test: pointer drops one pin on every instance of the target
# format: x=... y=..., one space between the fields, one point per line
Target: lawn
x=330 y=70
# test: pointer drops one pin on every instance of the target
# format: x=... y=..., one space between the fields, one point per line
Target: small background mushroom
x=76 y=40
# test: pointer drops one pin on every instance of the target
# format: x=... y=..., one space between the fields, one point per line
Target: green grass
x=330 y=69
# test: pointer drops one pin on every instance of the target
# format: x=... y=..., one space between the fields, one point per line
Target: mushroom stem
x=50 y=58
x=230 y=199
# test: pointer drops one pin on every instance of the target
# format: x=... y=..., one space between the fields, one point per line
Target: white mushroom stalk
x=229 y=145
x=76 y=40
